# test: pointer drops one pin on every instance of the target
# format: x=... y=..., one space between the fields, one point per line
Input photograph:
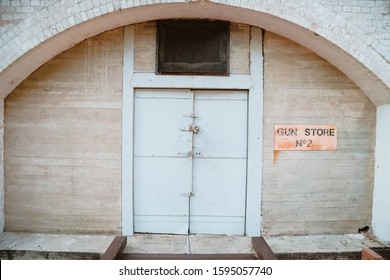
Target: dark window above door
x=193 y=47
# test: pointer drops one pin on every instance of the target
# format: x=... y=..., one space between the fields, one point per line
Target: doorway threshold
x=188 y=244
x=186 y=247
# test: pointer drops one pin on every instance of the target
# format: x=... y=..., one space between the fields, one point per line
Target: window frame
x=219 y=68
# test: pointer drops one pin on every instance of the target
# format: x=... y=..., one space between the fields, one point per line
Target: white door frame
x=253 y=83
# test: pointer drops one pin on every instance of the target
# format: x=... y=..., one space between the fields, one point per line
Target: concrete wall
x=318 y=192
x=62 y=142
x=63 y=130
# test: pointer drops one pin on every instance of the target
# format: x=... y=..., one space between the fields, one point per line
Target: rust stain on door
x=305 y=137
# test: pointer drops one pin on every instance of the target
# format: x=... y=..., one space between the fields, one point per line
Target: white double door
x=190 y=158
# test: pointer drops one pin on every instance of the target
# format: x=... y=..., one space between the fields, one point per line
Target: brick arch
x=38 y=38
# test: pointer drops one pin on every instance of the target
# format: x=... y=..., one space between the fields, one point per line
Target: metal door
x=190 y=151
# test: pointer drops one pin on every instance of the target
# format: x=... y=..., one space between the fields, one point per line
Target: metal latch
x=188 y=194
x=192 y=128
x=192 y=115
x=188 y=154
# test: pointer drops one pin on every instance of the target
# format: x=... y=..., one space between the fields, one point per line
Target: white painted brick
x=347 y=9
x=71 y=21
x=366 y=3
x=84 y=16
x=337 y=8
x=89 y=4
x=96 y=12
x=104 y=9
x=7 y=16
x=383 y=3
x=83 y=6
x=15 y=3
x=78 y=19
x=332 y=2
x=25 y=10
x=77 y=9
x=70 y=11
x=41 y=36
x=25 y=3
x=5 y=3
x=375 y=10
x=384 y=9
x=117 y=5
x=229 y=2
x=130 y=3
x=348 y=2
x=110 y=7
x=90 y=14
x=356 y=9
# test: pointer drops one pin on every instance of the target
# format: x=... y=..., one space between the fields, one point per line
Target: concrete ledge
x=321 y=247
x=313 y=244
x=79 y=247
x=42 y=255
x=65 y=243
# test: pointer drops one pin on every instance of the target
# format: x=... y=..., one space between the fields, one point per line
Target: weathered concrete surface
x=192 y=244
x=317 y=192
x=54 y=246
x=321 y=243
x=54 y=242
x=66 y=178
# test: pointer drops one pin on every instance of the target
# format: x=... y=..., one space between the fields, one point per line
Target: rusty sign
x=305 y=138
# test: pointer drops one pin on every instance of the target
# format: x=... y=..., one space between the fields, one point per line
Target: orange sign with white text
x=305 y=137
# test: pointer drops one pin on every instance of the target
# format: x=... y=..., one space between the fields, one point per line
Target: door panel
x=159 y=205
x=172 y=161
x=158 y=120
x=222 y=125
x=219 y=182
x=218 y=204
x=162 y=170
